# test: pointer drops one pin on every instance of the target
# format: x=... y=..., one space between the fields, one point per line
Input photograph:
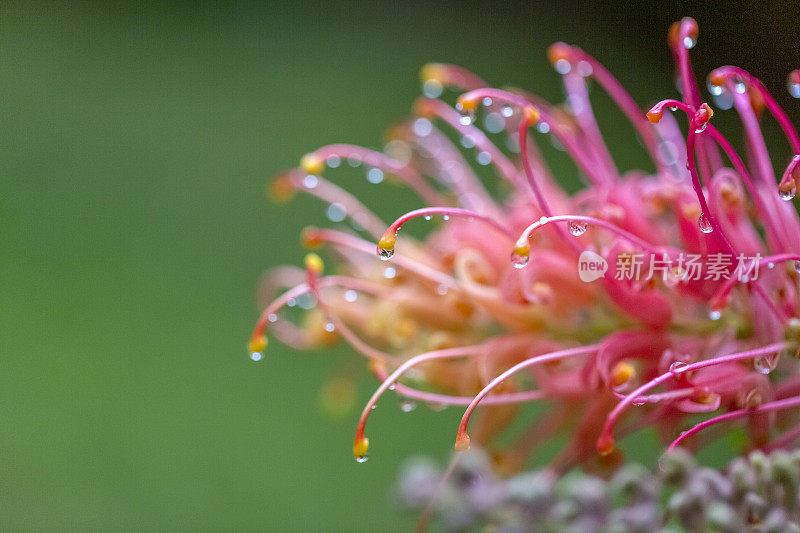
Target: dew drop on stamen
x=740 y=87
x=422 y=127
x=787 y=191
x=256 y=356
x=310 y=181
x=507 y=111
x=705 y=225
x=797 y=266
x=714 y=315
x=577 y=228
x=494 y=123
x=361 y=458
x=291 y=302
x=484 y=158
x=428 y=217
x=794 y=89
x=677 y=367
x=350 y=296
x=770 y=265
x=446 y=217
x=353 y=161
x=765 y=365
x=467 y=141
x=333 y=161
x=584 y=68
x=487 y=101
x=563 y=66
x=543 y=127
x=389 y=272
x=272 y=317
x=519 y=261
x=329 y=327
x=336 y=212
x=385 y=254
x=701 y=128
x=689 y=42
x=673 y=108
x=638 y=402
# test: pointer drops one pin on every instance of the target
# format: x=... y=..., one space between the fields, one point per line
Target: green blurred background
x=136 y=141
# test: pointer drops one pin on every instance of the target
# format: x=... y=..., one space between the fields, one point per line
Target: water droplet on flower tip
x=329 y=327
x=770 y=265
x=519 y=261
x=483 y=158
x=764 y=365
x=715 y=90
x=794 y=89
x=584 y=68
x=677 y=367
x=272 y=317
x=787 y=191
x=361 y=458
x=543 y=127
x=701 y=128
x=797 y=266
x=487 y=101
x=705 y=225
x=389 y=272
x=291 y=302
x=577 y=228
x=714 y=315
x=446 y=217
x=333 y=161
x=689 y=42
x=638 y=402
x=563 y=66
x=432 y=88
x=467 y=141
x=385 y=254
x=740 y=87
x=350 y=296
x=507 y=111
x=256 y=356
x=353 y=161
x=407 y=405
x=723 y=100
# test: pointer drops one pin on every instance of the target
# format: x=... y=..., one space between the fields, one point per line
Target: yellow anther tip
x=622 y=373
x=654 y=116
x=522 y=249
x=531 y=115
x=361 y=447
x=468 y=104
x=387 y=242
x=314 y=263
x=312 y=163
x=257 y=344
x=605 y=445
x=432 y=71
x=462 y=443
x=280 y=189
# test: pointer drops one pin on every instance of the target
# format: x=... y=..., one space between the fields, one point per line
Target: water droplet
x=333 y=161
x=724 y=100
x=375 y=175
x=329 y=327
x=543 y=127
x=483 y=158
x=638 y=402
x=422 y=127
x=336 y=212
x=361 y=458
x=446 y=217
x=705 y=225
x=584 y=68
x=432 y=88
x=794 y=89
x=428 y=217
x=291 y=302
x=714 y=315
x=673 y=108
x=765 y=365
x=787 y=190
x=678 y=366
x=740 y=87
x=350 y=296
x=441 y=290
x=256 y=356
x=306 y=301
x=577 y=228
x=407 y=405
x=310 y=181
x=467 y=141
x=519 y=261
x=393 y=386
x=487 y=101
x=385 y=254
x=507 y=111
x=797 y=266
x=770 y=265
x=689 y=42
x=494 y=122
x=354 y=161
x=389 y=272
x=563 y=66
x=715 y=90
x=272 y=317
x=374 y=405
x=701 y=128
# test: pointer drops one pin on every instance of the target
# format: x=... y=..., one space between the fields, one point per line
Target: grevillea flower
x=490 y=309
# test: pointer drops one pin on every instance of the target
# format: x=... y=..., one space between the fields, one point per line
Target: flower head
x=639 y=301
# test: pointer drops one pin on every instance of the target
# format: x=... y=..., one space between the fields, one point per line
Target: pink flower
x=490 y=308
